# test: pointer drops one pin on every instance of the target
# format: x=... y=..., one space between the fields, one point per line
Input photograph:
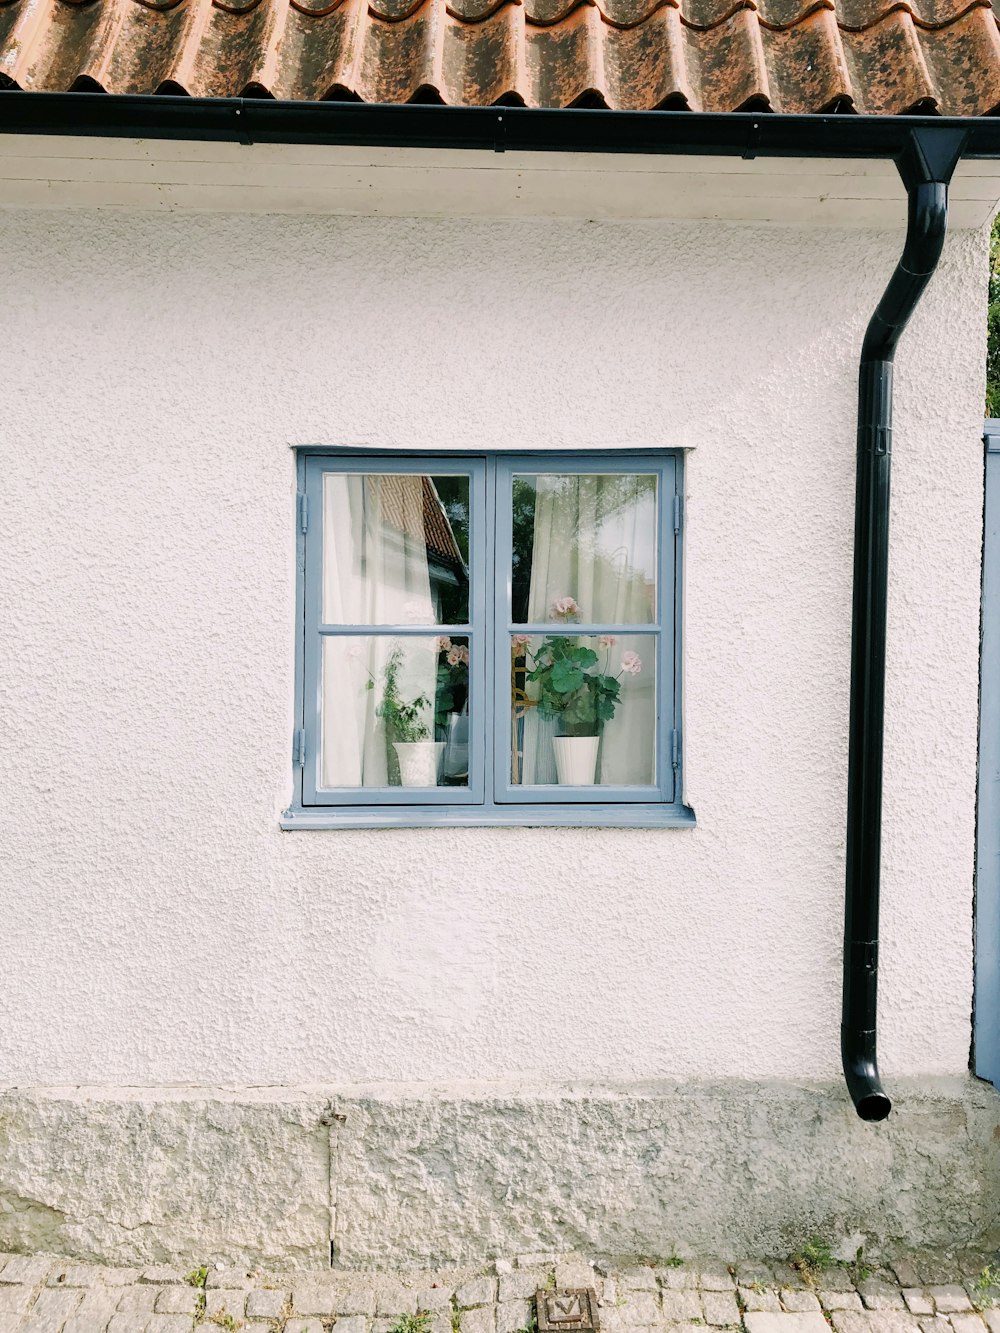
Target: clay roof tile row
x=872 y=56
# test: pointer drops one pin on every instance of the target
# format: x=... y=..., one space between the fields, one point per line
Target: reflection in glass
x=395 y=549
x=587 y=539
x=583 y=709
x=395 y=711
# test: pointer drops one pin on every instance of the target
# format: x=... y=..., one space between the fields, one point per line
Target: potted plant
x=408 y=727
x=573 y=693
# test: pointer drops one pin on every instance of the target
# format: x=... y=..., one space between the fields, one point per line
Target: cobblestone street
x=918 y=1293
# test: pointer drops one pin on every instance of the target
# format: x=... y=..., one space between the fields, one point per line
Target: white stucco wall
x=158 y=927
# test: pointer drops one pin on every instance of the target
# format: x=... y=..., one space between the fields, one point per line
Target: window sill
x=480 y=816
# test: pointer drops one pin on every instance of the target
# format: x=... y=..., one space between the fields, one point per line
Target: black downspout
x=925 y=165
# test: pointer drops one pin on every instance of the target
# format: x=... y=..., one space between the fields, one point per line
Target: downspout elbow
x=926 y=224
x=857 y=1050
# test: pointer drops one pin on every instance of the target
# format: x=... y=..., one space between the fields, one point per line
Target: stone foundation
x=422 y=1176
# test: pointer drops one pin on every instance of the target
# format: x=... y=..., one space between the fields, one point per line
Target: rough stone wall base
x=427 y=1176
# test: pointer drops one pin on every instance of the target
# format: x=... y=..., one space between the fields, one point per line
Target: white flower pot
x=576 y=759
x=419 y=762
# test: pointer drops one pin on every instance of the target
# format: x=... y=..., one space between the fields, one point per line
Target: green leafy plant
x=569 y=688
x=814 y=1256
x=859 y=1268
x=406 y=720
x=988 y=1279
x=569 y=692
x=197 y=1279
x=225 y=1320
x=412 y=1323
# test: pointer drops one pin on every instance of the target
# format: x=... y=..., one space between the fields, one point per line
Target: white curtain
x=595 y=541
x=374 y=572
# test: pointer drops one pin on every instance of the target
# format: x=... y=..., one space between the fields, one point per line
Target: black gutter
x=926 y=166
x=498 y=128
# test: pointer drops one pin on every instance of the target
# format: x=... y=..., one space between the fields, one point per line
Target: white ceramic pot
x=419 y=762
x=576 y=759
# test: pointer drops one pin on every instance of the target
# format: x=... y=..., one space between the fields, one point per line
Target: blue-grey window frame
x=316 y=632
x=490 y=799
x=507 y=467
x=986 y=1031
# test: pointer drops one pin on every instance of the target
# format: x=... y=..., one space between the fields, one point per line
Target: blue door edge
x=986 y=1011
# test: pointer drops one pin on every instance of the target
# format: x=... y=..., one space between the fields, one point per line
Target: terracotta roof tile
x=428 y=524
x=879 y=57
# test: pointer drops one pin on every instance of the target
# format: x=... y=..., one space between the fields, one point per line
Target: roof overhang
x=169 y=152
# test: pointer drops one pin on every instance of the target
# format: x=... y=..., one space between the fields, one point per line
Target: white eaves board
x=54 y=171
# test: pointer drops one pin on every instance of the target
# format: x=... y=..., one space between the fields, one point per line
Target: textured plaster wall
x=158 y=927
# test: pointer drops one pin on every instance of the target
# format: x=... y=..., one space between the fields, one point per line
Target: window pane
x=583 y=709
x=395 y=711
x=584 y=542
x=395 y=549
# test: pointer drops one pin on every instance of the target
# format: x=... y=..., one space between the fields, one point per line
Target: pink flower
x=631 y=663
x=564 y=607
x=444 y=643
x=520 y=640
x=606 y=641
x=458 y=656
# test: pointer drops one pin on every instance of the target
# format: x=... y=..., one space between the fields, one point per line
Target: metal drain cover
x=573 y=1310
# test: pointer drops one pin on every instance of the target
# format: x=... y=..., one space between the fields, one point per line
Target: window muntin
x=585 y=528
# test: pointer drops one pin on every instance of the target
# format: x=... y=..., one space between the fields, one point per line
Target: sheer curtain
x=375 y=571
x=595 y=540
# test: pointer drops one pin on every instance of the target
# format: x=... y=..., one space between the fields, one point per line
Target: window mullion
x=490 y=630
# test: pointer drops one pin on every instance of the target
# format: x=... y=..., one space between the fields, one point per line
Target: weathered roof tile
x=880 y=57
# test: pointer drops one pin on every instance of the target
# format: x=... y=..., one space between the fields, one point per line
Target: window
x=488 y=639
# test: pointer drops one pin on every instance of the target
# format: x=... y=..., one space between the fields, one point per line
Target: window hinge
x=303 y=511
x=677 y=513
x=675 y=750
x=300 y=748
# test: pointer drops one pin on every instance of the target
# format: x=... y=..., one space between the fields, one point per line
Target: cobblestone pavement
x=918 y=1293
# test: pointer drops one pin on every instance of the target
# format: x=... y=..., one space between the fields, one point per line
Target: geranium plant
x=452 y=679
x=572 y=689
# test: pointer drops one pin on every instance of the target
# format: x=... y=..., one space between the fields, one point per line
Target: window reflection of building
x=413 y=520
